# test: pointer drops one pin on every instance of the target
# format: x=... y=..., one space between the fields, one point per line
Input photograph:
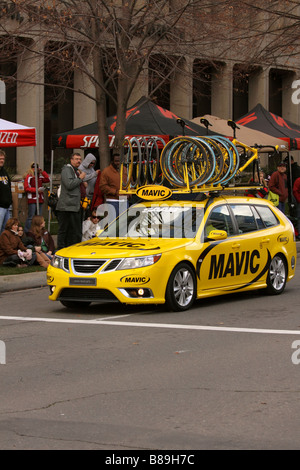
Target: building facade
x=227 y=89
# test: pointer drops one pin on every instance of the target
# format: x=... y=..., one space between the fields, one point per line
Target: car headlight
x=60 y=263
x=132 y=263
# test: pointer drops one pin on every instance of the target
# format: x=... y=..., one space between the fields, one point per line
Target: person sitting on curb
x=12 y=250
x=42 y=240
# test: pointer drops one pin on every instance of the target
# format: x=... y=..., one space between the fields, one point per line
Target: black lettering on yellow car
x=260 y=274
x=135 y=279
x=50 y=278
x=113 y=244
x=234 y=265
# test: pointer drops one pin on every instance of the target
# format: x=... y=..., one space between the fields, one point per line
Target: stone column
x=181 y=90
x=140 y=88
x=221 y=92
x=30 y=103
x=259 y=89
x=84 y=107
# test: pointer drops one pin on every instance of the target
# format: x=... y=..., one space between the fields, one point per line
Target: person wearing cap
x=30 y=190
x=278 y=185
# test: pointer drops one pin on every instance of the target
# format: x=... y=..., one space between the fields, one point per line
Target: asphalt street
x=224 y=375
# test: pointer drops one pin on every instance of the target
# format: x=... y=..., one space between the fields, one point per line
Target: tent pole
x=36 y=183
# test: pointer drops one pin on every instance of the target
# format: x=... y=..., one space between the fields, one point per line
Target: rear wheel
x=181 y=288
x=277 y=275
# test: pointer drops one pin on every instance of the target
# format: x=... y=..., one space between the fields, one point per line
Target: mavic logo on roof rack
x=154 y=192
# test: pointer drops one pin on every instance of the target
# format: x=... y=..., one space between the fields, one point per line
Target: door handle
x=265 y=240
x=236 y=245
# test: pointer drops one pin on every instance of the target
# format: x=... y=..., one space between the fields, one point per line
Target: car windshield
x=163 y=221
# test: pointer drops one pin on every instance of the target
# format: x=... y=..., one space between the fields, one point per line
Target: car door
x=252 y=246
x=214 y=265
x=237 y=261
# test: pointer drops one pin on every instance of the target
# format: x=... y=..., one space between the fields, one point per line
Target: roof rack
x=187 y=165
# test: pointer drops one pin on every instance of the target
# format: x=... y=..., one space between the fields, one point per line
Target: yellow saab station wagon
x=176 y=251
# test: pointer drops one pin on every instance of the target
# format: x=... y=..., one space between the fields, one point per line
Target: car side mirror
x=216 y=235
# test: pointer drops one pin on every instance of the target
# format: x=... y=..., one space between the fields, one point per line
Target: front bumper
x=139 y=286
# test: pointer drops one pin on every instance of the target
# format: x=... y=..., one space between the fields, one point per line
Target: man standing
x=68 y=206
x=110 y=187
x=278 y=185
x=5 y=193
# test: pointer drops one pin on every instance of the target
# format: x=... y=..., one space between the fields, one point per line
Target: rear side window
x=268 y=217
x=244 y=218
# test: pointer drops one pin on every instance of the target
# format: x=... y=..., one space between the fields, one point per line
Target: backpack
x=53 y=198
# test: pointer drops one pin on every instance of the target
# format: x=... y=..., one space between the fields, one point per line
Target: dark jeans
x=69 y=228
x=14 y=260
x=32 y=210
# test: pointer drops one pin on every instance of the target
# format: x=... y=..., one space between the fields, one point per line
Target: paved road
x=220 y=376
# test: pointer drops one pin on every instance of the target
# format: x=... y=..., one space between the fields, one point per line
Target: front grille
x=112 y=265
x=86 y=294
x=66 y=264
x=87 y=266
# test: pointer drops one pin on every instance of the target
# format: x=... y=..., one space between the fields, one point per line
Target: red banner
x=92 y=141
x=24 y=137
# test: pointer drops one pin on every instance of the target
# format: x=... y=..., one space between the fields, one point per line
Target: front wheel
x=181 y=288
x=277 y=275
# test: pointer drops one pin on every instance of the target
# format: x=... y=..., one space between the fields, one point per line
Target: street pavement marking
x=116 y=316
x=171 y=326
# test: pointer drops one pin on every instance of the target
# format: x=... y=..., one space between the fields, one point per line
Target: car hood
x=122 y=247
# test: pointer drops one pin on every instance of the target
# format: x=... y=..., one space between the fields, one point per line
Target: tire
x=74 y=304
x=277 y=275
x=181 y=288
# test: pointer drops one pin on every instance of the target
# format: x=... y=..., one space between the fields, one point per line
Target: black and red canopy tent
x=262 y=120
x=145 y=118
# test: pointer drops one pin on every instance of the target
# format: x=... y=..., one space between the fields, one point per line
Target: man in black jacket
x=5 y=193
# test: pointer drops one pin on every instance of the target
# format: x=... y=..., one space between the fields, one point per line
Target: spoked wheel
x=126 y=164
x=181 y=288
x=154 y=175
x=136 y=164
x=277 y=275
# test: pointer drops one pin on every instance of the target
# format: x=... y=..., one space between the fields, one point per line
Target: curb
x=34 y=280
x=23 y=281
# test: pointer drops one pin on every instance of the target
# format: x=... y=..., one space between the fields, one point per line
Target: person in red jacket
x=30 y=189
x=278 y=185
x=296 y=192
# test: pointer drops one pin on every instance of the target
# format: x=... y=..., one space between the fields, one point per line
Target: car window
x=268 y=217
x=244 y=217
x=258 y=219
x=158 y=221
x=219 y=219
